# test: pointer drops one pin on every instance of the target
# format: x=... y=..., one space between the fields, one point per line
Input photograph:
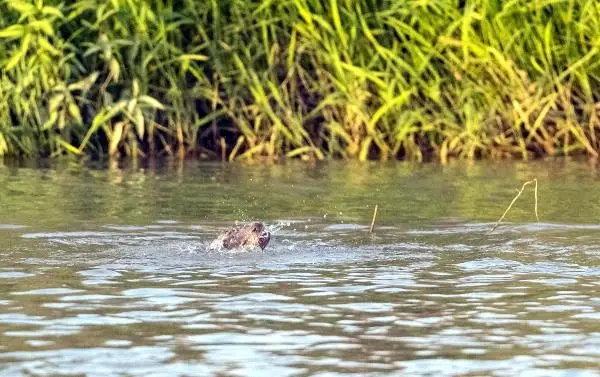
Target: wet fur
x=248 y=235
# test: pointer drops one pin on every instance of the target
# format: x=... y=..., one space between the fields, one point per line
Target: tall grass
x=367 y=79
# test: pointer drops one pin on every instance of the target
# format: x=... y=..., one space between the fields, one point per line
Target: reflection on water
x=106 y=271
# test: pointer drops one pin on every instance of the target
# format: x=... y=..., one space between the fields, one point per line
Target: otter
x=248 y=235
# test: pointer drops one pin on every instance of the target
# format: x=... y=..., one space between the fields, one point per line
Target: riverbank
x=356 y=80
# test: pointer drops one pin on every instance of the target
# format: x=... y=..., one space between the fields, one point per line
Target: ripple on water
x=14 y=274
x=324 y=299
x=12 y=226
x=48 y=291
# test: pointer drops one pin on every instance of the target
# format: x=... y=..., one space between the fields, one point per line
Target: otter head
x=262 y=236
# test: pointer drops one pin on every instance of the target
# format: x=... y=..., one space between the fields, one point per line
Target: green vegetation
x=300 y=78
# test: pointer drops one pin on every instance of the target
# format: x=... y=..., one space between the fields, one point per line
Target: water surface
x=105 y=271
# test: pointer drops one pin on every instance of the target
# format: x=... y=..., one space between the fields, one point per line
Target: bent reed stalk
x=301 y=78
x=519 y=192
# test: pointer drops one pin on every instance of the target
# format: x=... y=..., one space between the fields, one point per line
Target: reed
x=366 y=79
x=519 y=192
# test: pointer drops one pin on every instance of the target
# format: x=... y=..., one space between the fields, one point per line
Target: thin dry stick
x=535 y=207
x=515 y=199
x=373 y=220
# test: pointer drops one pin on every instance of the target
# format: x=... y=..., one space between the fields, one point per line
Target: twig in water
x=535 y=203
x=515 y=199
x=373 y=220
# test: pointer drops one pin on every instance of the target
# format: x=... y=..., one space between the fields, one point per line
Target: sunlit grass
x=300 y=78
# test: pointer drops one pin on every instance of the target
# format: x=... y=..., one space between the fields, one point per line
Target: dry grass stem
x=373 y=220
x=515 y=199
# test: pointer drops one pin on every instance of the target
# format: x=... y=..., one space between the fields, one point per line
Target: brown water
x=104 y=271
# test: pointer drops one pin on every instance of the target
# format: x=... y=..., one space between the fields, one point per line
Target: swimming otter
x=248 y=235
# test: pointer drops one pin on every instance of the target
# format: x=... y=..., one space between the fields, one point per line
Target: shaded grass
x=300 y=78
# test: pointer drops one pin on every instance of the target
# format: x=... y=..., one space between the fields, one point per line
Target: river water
x=105 y=270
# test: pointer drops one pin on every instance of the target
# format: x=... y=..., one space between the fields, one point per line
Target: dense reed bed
x=379 y=79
